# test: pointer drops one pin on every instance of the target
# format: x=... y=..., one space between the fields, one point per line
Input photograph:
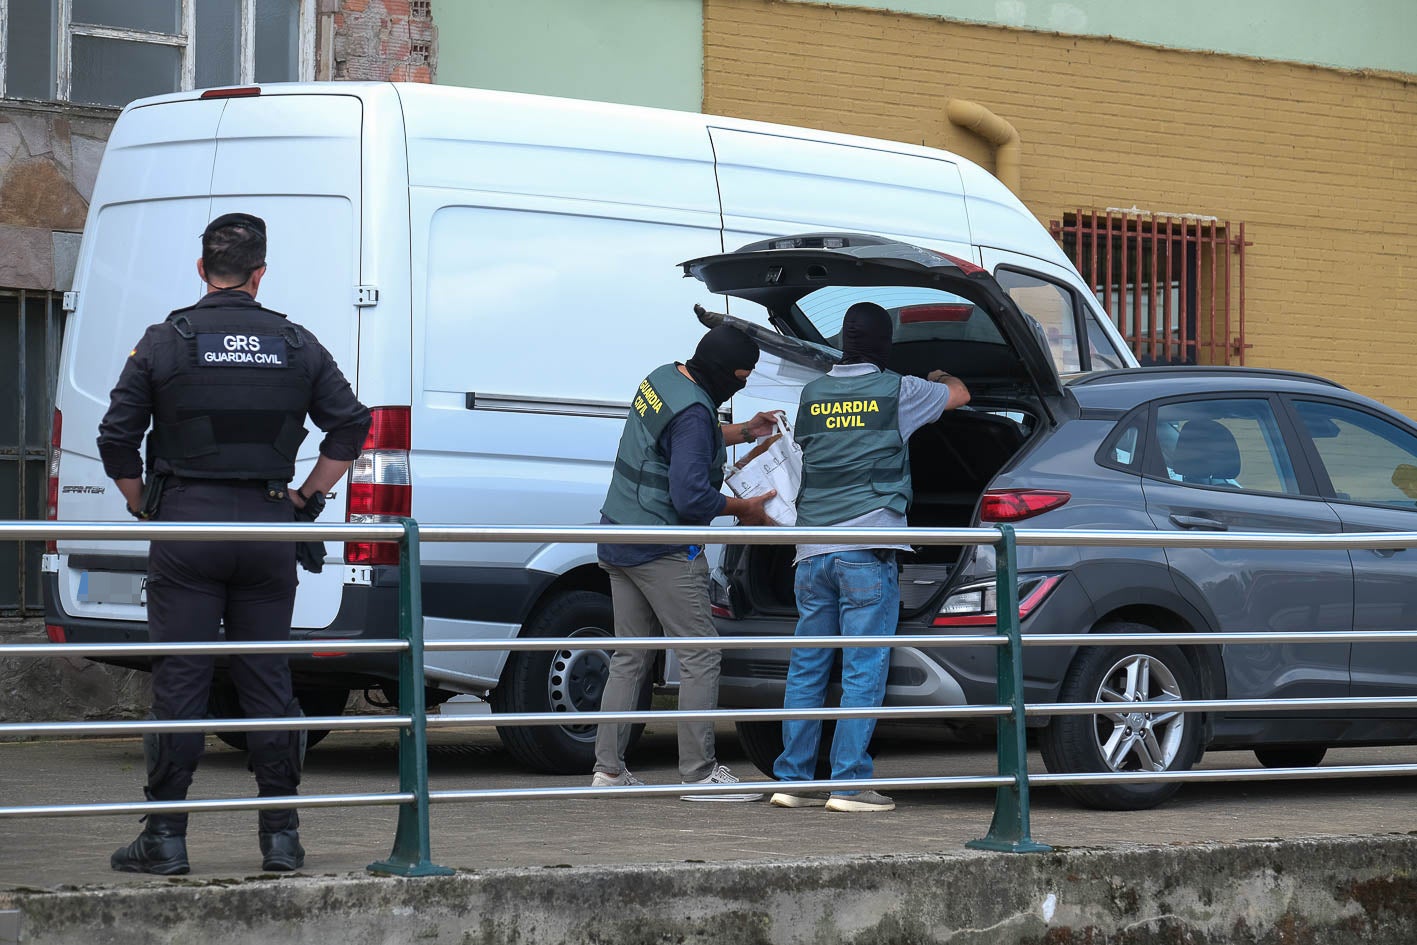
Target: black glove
x=310 y=554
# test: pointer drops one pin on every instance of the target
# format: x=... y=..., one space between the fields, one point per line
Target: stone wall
x=46 y=689
x=49 y=156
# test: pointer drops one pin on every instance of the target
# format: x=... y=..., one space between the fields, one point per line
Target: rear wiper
x=806 y=353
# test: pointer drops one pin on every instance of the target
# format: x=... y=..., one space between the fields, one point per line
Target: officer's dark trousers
x=193 y=586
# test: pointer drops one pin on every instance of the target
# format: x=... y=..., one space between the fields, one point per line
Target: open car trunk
x=952 y=462
x=947 y=313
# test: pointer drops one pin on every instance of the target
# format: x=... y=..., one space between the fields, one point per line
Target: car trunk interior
x=952 y=462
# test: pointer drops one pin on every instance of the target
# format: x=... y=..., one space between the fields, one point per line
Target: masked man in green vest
x=669 y=471
x=854 y=425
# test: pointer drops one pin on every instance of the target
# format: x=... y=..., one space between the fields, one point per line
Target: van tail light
x=1015 y=505
x=55 y=633
x=380 y=484
x=51 y=491
x=977 y=606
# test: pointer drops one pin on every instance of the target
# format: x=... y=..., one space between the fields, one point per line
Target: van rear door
x=293 y=160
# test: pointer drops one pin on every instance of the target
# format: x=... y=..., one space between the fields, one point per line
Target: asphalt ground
x=54 y=852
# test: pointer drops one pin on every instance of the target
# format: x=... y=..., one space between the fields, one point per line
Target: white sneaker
x=720 y=775
x=623 y=779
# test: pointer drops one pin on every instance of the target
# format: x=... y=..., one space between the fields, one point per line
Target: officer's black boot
x=281 y=851
x=161 y=848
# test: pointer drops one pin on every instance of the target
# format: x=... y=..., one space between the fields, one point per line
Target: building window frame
x=66 y=30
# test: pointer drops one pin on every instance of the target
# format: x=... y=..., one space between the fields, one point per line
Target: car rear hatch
x=948 y=314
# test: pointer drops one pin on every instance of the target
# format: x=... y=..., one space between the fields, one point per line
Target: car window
x=1368 y=459
x=918 y=314
x=1125 y=450
x=1230 y=444
x=1052 y=307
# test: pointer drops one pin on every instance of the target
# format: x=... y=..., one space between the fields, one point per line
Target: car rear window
x=917 y=314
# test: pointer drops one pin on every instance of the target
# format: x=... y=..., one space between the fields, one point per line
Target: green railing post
x=1009 y=831
x=410 y=856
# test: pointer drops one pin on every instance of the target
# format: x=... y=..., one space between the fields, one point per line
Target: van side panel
x=545 y=239
x=773 y=184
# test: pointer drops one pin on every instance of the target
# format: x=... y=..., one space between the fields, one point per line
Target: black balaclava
x=866 y=335
x=721 y=352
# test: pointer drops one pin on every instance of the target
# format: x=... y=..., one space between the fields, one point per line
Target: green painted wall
x=1349 y=34
x=638 y=52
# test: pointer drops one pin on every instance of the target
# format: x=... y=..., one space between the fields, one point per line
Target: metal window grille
x=1174 y=284
x=30 y=330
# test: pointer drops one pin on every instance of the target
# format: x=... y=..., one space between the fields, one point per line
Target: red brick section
x=379 y=40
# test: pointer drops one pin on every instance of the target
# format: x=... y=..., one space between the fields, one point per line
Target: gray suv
x=1171 y=449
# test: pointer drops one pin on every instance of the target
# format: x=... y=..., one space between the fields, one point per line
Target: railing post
x=410 y=856
x=1009 y=831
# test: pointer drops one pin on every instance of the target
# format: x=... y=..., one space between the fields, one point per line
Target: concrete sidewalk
x=55 y=852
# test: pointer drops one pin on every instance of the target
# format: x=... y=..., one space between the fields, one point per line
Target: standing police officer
x=227 y=385
x=854 y=425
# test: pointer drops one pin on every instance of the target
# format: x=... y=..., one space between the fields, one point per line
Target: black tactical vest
x=231 y=390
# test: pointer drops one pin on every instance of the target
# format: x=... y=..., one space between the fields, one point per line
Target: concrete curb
x=1330 y=891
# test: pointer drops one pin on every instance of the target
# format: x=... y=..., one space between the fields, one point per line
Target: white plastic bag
x=775 y=463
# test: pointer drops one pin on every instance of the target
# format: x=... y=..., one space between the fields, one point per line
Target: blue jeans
x=844 y=593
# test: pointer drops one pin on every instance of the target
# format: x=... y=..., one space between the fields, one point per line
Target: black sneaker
x=155 y=851
x=281 y=851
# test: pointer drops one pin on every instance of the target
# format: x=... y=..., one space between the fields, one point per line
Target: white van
x=494 y=273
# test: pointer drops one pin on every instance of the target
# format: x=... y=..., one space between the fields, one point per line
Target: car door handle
x=1198 y=521
x=1386 y=552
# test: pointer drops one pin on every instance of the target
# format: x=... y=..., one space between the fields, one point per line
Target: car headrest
x=1205 y=451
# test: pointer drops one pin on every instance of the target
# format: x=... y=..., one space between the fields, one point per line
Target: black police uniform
x=227 y=385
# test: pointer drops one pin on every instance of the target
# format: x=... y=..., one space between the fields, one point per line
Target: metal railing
x=1009 y=830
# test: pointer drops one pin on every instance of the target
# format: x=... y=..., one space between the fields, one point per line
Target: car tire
x=560 y=681
x=1306 y=757
x=223 y=703
x=1075 y=744
x=762 y=743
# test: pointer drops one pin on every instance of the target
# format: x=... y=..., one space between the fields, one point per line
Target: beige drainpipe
x=974 y=117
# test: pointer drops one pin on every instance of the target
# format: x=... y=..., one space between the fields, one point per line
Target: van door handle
x=1386 y=552
x=1198 y=522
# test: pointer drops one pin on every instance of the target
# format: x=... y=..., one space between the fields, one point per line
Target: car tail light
x=55 y=633
x=978 y=606
x=51 y=501
x=1015 y=505
x=380 y=484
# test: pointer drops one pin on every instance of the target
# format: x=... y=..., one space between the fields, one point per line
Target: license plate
x=113 y=587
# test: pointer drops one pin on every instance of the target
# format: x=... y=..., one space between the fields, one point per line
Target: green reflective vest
x=853 y=458
x=639 y=487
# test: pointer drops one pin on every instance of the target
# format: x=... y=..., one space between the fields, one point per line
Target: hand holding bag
x=775 y=463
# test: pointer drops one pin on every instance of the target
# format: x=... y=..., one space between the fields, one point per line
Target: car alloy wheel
x=1142 y=735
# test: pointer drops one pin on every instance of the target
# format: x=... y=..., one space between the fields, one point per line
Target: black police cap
x=236 y=219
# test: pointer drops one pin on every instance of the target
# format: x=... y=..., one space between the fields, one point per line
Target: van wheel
x=1308 y=757
x=762 y=743
x=560 y=681
x=1141 y=736
x=223 y=703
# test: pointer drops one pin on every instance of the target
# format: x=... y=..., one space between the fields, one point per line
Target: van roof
x=434 y=110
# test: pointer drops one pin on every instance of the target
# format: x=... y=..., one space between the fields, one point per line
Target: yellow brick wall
x=1320 y=164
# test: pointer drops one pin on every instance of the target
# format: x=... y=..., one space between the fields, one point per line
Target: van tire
x=1071 y=744
x=222 y=703
x=564 y=680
